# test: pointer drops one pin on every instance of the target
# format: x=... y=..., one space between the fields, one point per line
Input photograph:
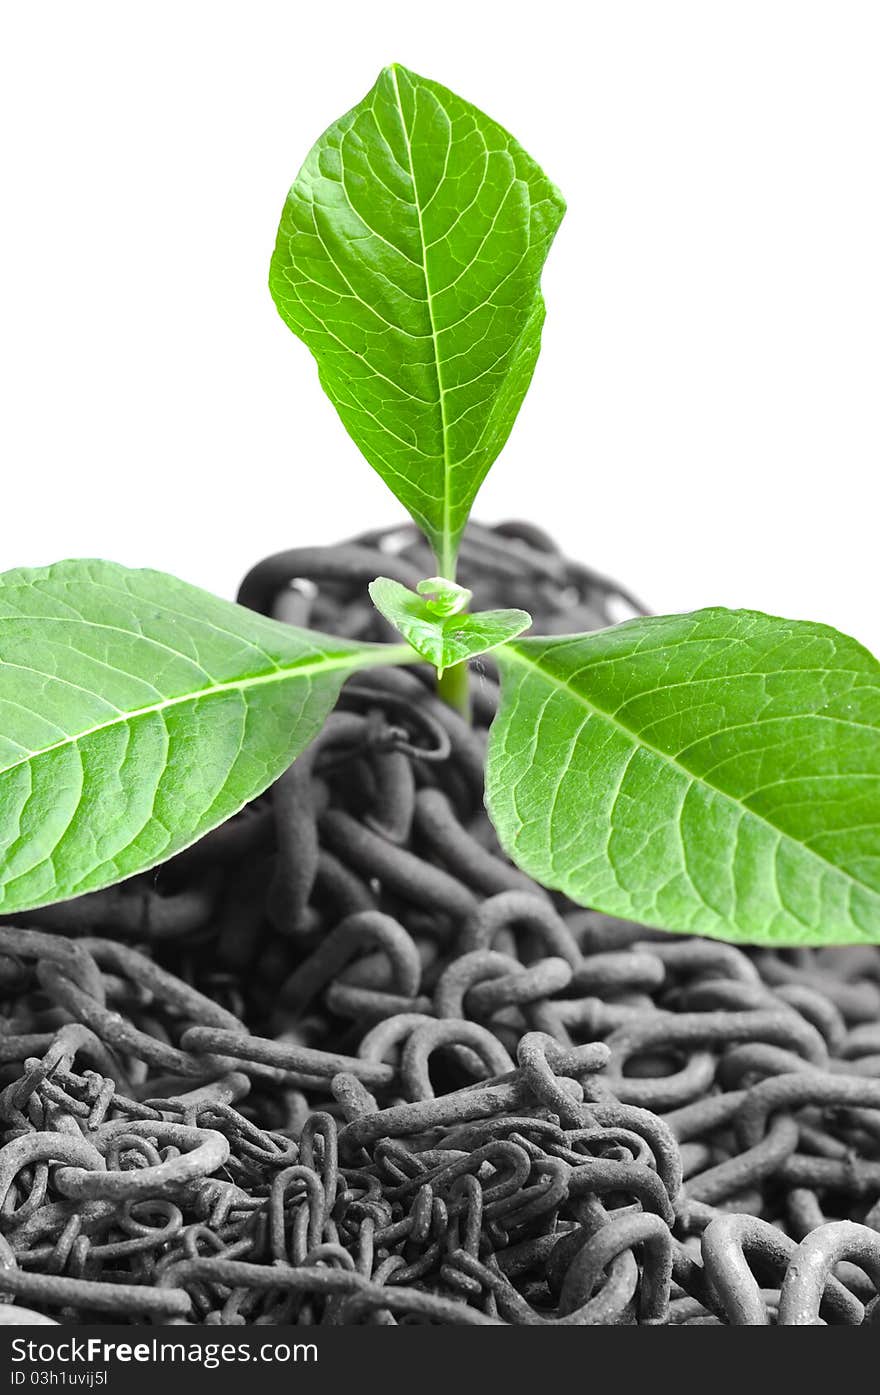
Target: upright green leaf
x=444 y=640
x=408 y=260
x=716 y=773
x=136 y=712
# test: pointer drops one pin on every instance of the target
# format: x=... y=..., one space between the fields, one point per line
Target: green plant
x=717 y=772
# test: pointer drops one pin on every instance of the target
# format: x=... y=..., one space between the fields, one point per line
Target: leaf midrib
x=445 y=560
x=382 y=655
x=506 y=651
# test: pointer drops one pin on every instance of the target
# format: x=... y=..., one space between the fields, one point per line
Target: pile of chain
x=340 y=1062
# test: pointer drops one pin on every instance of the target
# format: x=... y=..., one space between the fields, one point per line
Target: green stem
x=446 y=559
x=454 y=689
x=452 y=684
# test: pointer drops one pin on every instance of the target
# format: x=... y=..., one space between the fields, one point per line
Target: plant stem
x=454 y=689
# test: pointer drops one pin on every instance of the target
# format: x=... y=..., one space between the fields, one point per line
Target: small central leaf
x=444 y=597
x=408 y=260
x=444 y=640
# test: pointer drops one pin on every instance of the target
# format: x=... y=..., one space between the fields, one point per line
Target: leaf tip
x=395 y=70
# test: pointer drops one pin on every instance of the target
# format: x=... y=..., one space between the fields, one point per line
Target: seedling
x=717 y=772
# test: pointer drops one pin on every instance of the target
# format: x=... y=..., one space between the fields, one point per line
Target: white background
x=704 y=419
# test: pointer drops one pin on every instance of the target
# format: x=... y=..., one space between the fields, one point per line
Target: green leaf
x=716 y=773
x=444 y=640
x=444 y=597
x=136 y=712
x=408 y=260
